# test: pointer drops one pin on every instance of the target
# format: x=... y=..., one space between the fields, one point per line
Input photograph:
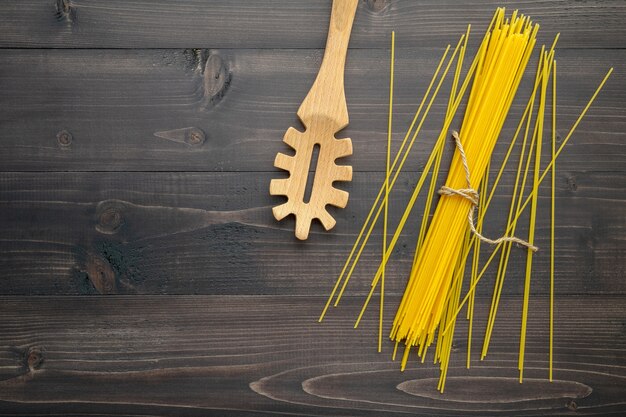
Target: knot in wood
x=109 y=217
x=34 y=358
x=64 y=138
x=101 y=275
x=572 y=406
x=216 y=79
x=378 y=6
x=571 y=183
x=194 y=137
x=64 y=10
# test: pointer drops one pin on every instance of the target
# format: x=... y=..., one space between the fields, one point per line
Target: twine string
x=472 y=196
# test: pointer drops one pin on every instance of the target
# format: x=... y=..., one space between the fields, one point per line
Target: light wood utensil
x=323 y=113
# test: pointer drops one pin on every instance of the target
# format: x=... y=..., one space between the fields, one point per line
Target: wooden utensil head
x=326 y=173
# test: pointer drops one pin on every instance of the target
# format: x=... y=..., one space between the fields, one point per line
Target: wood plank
x=234 y=355
x=213 y=233
x=143 y=273
x=287 y=24
x=112 y=103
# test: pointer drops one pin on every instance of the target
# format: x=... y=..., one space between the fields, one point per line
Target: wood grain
x=211 y=233
x=202 y=355
x=117 y=104
x=286 y=23
x=142 y=273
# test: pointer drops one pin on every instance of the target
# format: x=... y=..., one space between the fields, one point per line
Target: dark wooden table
x=143 y=273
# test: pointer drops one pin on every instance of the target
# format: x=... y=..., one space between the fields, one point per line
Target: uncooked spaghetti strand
x=395 y=350
x=537 y=140
x=533 y=217
x=506 y=248
x=380 y=192
x=386 y=200
x=552 y=212
x=513 y=223
x=541 y=178
x=405 y=357
x=573 y=128
x=459 y=67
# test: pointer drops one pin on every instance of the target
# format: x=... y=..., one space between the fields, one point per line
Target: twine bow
x=471 y=195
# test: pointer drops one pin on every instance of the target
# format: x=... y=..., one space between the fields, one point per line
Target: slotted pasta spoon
x=323 y=113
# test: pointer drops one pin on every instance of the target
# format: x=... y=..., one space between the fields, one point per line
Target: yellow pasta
x=552 y=223
x=417 y=130
x=506 y=53
x=433 y=296
x=386 y=199
x=529 y=197
x=475 y=261
x=537 y=140
x=438 y=145
x=511 y=224
x=439 y=152
x=375 y=211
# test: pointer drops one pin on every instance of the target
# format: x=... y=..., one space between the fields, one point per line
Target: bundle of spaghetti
x=501 y=65
x=432 y=299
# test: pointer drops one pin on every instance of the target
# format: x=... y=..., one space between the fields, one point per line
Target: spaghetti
x=433 y=296
x=507 y=51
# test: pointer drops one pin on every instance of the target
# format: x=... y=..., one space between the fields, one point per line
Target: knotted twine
x=472 y=196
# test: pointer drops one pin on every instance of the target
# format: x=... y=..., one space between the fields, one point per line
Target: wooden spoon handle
x=326 y=99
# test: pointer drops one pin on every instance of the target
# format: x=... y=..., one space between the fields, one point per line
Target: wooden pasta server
x=323 y=113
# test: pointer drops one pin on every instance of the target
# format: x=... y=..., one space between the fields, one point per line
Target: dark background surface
x=143 y=273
